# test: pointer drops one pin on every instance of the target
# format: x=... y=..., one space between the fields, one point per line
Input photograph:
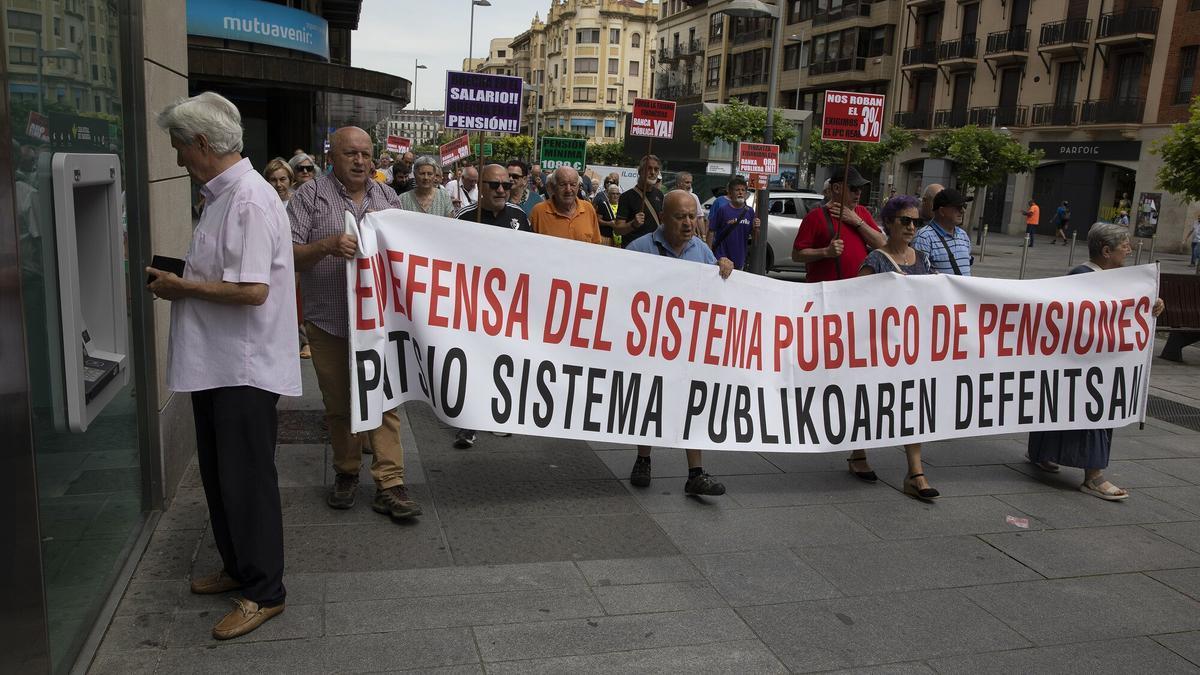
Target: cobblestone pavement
x=537 y=556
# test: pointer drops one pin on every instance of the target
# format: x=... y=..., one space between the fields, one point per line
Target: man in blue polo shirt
x=944 y=240
x=676 y=238
x=732 y=222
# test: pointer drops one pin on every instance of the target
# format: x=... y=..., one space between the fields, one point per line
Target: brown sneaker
x=341 y=495
x=217 y=582
x=397 y=502
x=244 y=618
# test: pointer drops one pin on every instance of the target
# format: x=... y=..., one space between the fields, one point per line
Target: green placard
x=487 y=149
x=558 y=152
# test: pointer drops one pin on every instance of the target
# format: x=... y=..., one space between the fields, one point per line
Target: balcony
x=921 y=4
x=999 y=116
x=1054 y=115
x=678 y=92
x=1129 y=27
x=748 y=80
x=1112 y=111
x=923 y=57
x=848 y=11
x=690 y=48
x=1064 y=36
x=743 y=37
x=950 y=119
x=958 y=54
x=915 y=119
x=1008 y=46
x=837 y=66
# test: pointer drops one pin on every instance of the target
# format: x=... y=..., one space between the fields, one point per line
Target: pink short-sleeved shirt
x=243 y=237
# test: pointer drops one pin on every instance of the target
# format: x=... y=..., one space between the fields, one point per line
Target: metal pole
x=416 y=71
x=758 y=256
x=1071 y=253
x=537 y=116
x=471 y=38
x=1153 y=239
x=983 y=243
x=1024 y=257
x=1137 y=257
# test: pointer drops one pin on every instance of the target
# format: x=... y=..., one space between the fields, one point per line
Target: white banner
x=505 y=330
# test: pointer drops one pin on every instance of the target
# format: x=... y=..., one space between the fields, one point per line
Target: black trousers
x=235 y=441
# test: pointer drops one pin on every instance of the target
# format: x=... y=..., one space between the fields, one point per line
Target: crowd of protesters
x=261 y=239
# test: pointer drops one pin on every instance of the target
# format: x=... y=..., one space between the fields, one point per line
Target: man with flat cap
x=944 y=240
x=834 y=239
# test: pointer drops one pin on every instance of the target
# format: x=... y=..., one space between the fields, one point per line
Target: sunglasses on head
x=909 y=220
x=306 y=168
x=499 y=185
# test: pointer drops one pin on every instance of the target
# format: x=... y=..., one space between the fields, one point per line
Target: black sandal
x=868 y=476
x=923 y=494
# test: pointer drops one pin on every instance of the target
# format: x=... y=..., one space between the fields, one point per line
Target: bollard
x=1137 y=256
x=1024 y=256
x=983 y=242
x=1071 y=254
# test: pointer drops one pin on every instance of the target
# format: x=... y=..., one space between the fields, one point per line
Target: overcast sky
x=392 y=33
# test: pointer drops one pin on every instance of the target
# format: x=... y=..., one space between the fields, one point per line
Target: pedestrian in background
x=1088 y=449
x=232 y=347
x=639 y=209
x=402 y=176
x=1195 y=242
x=427 y=196
x=322 y=246
x=927 y=196
x=1032 y=215
x=304 y=168
x=606 y=207
x=733 y=223
x=464 y=191
x=944 y=240
x=280 y=176
x=683 y=181
x=1062 y=222
x=522 y=195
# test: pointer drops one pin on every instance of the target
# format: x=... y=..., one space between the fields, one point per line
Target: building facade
x=590 y=59
x=1091 y=85
x=422 y=126
x=499 y=60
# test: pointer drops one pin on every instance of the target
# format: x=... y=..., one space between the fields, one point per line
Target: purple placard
x=478 y=102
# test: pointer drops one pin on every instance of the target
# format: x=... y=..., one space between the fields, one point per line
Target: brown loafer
x=217 y=582
x=244 y=618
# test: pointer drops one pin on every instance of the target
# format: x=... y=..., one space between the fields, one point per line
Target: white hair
x=208 y=114
x=825 y=185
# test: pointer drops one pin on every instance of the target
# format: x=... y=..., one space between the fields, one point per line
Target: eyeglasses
x=498 y=185
x=515 y=176
x=909 y=220
x=306 y=168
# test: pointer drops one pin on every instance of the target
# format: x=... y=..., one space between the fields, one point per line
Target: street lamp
x=759 y=9
x=471 y=34
x=417 y=65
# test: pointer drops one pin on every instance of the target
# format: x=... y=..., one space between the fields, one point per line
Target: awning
x=583 y=122
x=610 y=124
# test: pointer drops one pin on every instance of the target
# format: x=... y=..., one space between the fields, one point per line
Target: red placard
x=852 y=116
x=399 y=144
x=758 y=158
x=652 y=118
x=38 y=127
x=455 y=150
x=759 y=181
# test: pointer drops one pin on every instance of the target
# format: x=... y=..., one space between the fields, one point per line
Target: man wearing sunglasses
x=834 y=239
x=944 y=240
x=493 y=207
x=522 y=195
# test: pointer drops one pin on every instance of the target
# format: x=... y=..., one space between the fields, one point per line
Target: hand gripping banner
x=499 y=329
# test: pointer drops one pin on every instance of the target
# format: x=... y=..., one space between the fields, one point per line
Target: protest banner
x=38 y=127
x=758 y=158
x=652 y=118
x=558 y=152
x=851 y=116
x=454 y=151
x=399 y=144
x=517 y=332
x=478 y=102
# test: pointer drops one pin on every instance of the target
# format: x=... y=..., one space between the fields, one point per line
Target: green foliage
x=869 y=158
x=981 y=156
x=505 y=148
x=738 y=122
x=609 y=154
x=1180 y=151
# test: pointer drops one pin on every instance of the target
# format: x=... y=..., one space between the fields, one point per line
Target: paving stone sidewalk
x=537 y=556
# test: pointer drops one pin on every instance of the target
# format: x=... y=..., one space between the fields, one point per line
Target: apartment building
x=422 y=126
x=499 y=60
x=1091 y=84
x=589 y=60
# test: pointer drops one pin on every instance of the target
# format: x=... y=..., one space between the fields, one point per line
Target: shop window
x=1187 y=75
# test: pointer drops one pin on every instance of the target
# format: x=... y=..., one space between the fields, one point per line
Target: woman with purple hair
x=900 y=217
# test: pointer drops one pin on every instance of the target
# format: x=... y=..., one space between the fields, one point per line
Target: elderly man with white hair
x=233 y=348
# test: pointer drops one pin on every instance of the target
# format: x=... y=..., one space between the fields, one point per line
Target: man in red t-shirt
x=834 y=239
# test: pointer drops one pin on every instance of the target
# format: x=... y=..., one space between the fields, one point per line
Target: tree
x=869 y=158
x=505 y=148
x=1180 y=151
x=608 y=154
x=738 y=122
x=981 y=157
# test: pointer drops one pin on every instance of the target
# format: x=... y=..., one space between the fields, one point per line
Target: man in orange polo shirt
x=1032 y=215
x=564 y=214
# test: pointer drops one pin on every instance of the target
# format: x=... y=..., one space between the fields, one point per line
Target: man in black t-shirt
x=640 y=208
x=494 y=188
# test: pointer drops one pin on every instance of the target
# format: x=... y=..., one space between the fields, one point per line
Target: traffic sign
x=852 y=116
x=456 y=150
x=559 y=152
x=652 y=118
x=758 y=158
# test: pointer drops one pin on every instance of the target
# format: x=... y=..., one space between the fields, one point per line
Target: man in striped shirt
x=944 y=240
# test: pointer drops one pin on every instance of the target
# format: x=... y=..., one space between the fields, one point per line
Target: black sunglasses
x=497 y=185
x=909 y=220
x=306 y=168
x=515 y=176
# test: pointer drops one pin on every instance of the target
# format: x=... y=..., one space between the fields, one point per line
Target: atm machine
x=91 y=286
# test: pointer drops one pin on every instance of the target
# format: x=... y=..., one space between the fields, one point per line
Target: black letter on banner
x=455 y=354
x=694 y=407
x=713 y=434
x=571 y=372
x=741 y=413
x=830 y=393
x=623 y=403
x=1095 y=408
x=963 y=404
x=500 y=415
x=364 y=384
x=399 y=337
x=592 y=398
x=545 y=374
